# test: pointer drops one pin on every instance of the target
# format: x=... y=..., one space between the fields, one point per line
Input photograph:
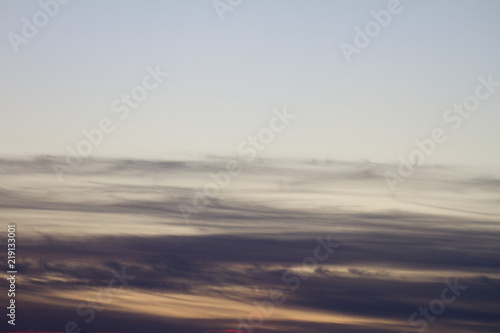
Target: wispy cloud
x=123 y=213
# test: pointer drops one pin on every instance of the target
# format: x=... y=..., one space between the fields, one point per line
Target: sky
x=226 y=76
x=251 y=166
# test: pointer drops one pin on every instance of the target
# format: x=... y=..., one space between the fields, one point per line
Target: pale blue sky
x=227 y=76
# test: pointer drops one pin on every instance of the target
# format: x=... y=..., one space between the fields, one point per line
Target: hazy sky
x=204 y=242
x=227 y=76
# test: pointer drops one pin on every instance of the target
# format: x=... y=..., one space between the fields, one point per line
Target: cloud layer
x=251 y=239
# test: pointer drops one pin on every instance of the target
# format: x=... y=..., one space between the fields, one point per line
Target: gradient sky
x=226 y=76
x=324 y=175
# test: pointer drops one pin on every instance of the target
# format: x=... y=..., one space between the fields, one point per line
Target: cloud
x=113 y=214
